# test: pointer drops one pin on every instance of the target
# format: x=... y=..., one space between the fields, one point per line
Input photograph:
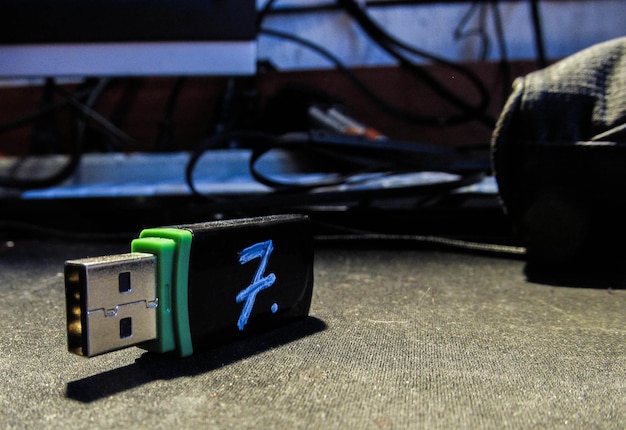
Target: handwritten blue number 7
x=259 y=283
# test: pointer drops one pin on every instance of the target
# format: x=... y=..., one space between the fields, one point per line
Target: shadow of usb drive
x=152 y=367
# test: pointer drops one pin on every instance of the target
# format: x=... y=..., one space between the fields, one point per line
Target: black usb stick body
x=187 y=288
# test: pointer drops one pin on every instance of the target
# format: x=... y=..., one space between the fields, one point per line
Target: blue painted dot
x=274 y=308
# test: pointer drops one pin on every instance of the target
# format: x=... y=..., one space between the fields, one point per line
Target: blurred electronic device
x=53 y=38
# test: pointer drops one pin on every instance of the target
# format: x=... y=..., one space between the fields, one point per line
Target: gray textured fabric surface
x=398 y=338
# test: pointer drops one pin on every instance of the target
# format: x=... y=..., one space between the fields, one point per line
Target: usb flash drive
x=186 y=288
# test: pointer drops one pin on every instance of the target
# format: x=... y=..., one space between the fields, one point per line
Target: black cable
x=45 y=137
x=538 y=29
x=262 y=143
x=282 y=201
x=214 y=142
x=263 y=12
x=480 y=31
x=282 y=186
x=358 y=155
x=88 y=112
x=336 y=188
x=331 y=6
x=166 y=139
x=42 y=112
x=504 y=56
x=349 y=234
x=386 y=166
x=76 y=151
x=402 y=114
x=394 y=47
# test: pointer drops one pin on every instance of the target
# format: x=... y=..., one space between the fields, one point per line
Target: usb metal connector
x=111 y=302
